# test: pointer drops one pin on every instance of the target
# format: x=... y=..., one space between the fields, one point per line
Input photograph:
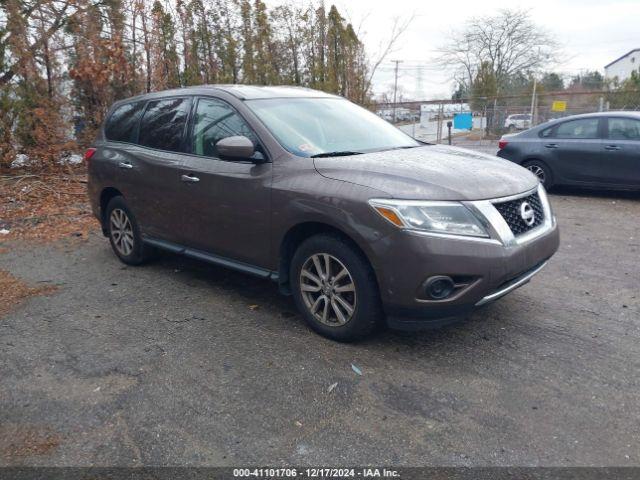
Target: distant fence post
x=483 y=119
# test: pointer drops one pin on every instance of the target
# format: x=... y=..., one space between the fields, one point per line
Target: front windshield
x=314 y=126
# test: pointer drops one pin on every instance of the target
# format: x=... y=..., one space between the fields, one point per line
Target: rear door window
x=624 y=129
x=122 y=125
x=581 y=128
x=163 y=124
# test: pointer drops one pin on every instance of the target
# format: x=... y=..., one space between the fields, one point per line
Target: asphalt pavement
x=182 y=363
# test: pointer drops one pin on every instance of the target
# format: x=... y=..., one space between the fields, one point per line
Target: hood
x=432 y=172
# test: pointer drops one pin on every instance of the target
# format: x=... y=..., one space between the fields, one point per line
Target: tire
x=357 y=288
x=127 y=245
x=540 y=170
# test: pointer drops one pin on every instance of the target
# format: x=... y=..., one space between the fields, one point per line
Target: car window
x=122 y=125
x=582 y=128
x=624 y=129
x=547 y=132
x=163 y=124
x=215 y=120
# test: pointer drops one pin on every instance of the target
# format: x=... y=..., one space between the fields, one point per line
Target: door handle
x=551 y=145
x=189 y=179
x=612 y=147
x=125 y=165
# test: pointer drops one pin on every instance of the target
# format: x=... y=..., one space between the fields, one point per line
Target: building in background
x=623 y=66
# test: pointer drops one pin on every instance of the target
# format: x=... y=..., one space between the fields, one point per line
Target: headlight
x=452 y=218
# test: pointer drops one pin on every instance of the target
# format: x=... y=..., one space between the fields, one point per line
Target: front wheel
x=335 y=288
x=540 y=170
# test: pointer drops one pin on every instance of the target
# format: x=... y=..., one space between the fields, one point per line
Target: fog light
x=439 y=287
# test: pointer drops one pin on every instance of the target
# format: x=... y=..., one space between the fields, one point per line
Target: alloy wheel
x=121 y=232
x=328 y=289
x=538 y=171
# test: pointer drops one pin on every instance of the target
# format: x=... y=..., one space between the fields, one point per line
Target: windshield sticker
x=305 y=147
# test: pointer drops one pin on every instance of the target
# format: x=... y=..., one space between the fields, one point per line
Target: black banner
x=397 y=473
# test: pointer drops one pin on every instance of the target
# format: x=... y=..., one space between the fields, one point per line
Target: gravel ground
x=181 y=363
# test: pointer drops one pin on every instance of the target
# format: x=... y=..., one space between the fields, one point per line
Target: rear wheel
x=335 y=288
x=124 y=233
x=540 y=170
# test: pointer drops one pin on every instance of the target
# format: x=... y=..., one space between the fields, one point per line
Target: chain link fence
x=438 y=121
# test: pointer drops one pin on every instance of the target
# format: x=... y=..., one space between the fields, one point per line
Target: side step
x=211 y=258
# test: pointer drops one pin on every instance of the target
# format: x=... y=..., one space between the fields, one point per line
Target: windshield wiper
x=335 y=154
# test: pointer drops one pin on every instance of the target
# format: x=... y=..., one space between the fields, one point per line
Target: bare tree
x=509 y=43
x=58 y=16
x=398 y=27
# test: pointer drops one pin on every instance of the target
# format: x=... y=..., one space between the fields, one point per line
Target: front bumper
x=487 y=269
x=511 y=285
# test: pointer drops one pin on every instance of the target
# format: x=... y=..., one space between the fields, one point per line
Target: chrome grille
x=510 y=211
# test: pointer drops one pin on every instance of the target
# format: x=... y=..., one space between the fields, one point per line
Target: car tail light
x=88 y=154
x=502 y=144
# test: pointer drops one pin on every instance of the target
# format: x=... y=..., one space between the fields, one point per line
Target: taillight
x=502 y=144
x=88 y=154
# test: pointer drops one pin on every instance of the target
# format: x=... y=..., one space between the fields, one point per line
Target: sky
x=591 y=33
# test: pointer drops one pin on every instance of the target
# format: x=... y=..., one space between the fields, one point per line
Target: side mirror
x=239 y=147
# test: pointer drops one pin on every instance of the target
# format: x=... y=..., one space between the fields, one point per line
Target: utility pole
x=395 y=88
x=533 y=102
x=419 y=83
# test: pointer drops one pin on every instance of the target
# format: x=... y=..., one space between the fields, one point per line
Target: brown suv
x=358 y=221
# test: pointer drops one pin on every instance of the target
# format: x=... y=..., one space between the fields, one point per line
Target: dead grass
x=44 y=208
x=474 y=136
x=14 y=291
x=39 y=209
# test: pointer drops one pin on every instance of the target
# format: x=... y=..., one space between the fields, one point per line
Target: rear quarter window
x=546 y=133
x=122 y=125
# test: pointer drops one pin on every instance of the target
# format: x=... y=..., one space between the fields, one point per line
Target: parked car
x=385 y=114
x=594 y=150
x=518 y=122
x=358 y=221
x=405 y=115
